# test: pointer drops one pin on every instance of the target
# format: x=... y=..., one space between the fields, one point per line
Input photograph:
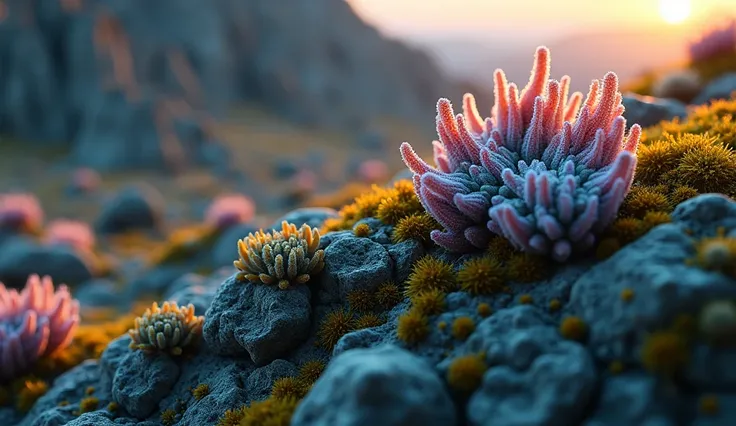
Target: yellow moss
x=417 y=227
x=202 y=390
x=709 y=169
x=88 y=404
x=527 y=268
x=310 y=371
x=708 y=404
x=526 y=299
x=442 y=326
x=412 y=327
x=270 y=412
x=90 y=390
x=665 y=352
x=483 y=275
x=652 y=219
x=168 y=417
x=335 y=325
x=627 y=295
x=288 y=387
x=484 y=310
x=392 y=209
x=717 y=253
x=654 y=160
x=430 y=273
x=30 y=390
x=430 y=302
x=368 y=321
x=462 y=328
x=607 y=247
x=555 y=305
x=500 y=248
x=643 y=199
x=465 y=374
x=362 y=230
x=112 y=407
x=232 y=417
x=682 y=193
x=626 y=229
x=361 y=300
x=573 y=328
x=388 y=295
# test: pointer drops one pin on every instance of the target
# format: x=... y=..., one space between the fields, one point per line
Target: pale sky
x=402 y=17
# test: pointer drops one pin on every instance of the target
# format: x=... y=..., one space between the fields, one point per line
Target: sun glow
x=674 y=11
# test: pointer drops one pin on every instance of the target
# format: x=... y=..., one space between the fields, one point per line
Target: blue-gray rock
x=113 y=355
x=154 y=282
x=261 y=380
x=225 y=249
x=355 y=263
x=722 y=87
x=96 y=293
x=385 y=386
x=20 y=258
x=312 y=216
x=371 y=140
x=142 y=380
x=531 y=365
x=632 y=399
x=404 y=255
x=194 y=289
x=285 y=168
x=260 y=320
x=648 y=111
x=95 y=418
x=139 y=207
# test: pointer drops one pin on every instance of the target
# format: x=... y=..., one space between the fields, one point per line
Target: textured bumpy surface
x=537 y=172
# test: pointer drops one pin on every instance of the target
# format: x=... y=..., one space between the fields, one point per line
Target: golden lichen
x=368 y=321
x=429 y=302
x=28 y=392
x=285 y=257
x=310 y=371
x=269 y=412
x=665 y=352
x=88 y=404
x=709 y=169
x=200 y=391
x=388 y=295
x=484 y=310
x=168 y=417
x=362 y=230
x=232 y=417
x=482 y=276
x=465 y=374
x=413 y=327
x=526 y=299
x=287 y=388
x=417 y=227
x=627 y=295
x=462 y=328
x=169 y=328
x=361 y=300
x=430 y=273
x=573 y=328
x=335 y=325
x=717 y=253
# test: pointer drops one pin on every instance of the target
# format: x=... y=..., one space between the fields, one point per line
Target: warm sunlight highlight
x=674 y=11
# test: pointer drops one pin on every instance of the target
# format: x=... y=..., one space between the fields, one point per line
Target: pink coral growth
x=20 y=212
x=373 y=171
x=34 y=323
x=75 y=234
x=230 y=209
x=714 y=43
x=541 y=171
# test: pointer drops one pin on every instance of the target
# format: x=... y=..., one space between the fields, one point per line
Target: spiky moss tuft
x=362 y=230
x=573 y=328
x=465 y=373
x=501 y=249
x=483 y=275
x=288 y=388
x=643 y=199
x=717 y=322
x=709 y=169
x=413 y=327
x=27 y=393
x=232 y=417
x=665 y=352
x=527 y=268
x=462 y=328
x=417 y=227
x=429 y=302
x=716 y=253
x=709 y=404
x=269 y=412
x=112 y=407
x=335 y=325
x=393 y=209
x=361 y=300
x=168 y=417
x=526 y=299
x=430 y=273
x=653 y=219
x=626 y=229
x=368 y=321
x=388 y=295
x=200 y=391
x=310 y=371
x=717 y=118
x=681 y=193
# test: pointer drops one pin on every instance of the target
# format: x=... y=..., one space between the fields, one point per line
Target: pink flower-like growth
x=75 y=234
x=34 y=323
x=230 y=209
x=373 y=171
x=20 y=212
x=541 y=171
x=716 y=42
x=85 y=180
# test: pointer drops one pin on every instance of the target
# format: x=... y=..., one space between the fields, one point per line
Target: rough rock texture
x=648 y=111
x=721 y=88
x=385 y=386
x=20 y=257
x=130 y=85
x=142 y=380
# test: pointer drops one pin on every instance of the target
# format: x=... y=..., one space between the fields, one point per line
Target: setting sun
x=674 y=11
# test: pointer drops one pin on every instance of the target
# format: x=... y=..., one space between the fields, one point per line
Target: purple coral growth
x=75 y=234
x=230 y=209
x=20 y=212
x=541 y=171
x=34 y=323
x=716 y=42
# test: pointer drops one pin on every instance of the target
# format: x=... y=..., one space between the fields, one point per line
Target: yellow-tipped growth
x=167 y=329
x=285 y=258
x=430 y=273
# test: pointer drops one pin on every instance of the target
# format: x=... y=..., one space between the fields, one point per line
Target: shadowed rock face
x=133 y=84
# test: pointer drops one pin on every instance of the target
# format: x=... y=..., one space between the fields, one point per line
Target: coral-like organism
x=716 y=42
x=536 y=172
x=285 y=258
x=167 y=329
x=230 y=209
x=34 y=323
x=20 y=212
x=73 y=233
